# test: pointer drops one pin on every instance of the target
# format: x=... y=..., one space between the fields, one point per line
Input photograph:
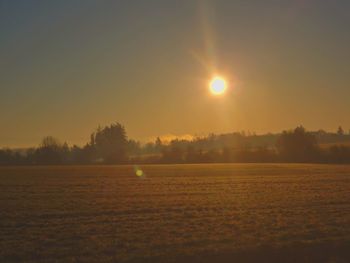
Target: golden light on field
x=218 y=85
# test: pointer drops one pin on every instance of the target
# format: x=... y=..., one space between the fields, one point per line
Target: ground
x=175 y=213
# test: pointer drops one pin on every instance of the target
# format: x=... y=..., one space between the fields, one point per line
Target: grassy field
x=176 y=213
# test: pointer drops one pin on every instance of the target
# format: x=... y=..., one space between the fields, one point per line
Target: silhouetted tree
x=191 y=155
x=339 y=154
x=51 y=151
x=340 y=131
x=134 y=147
x=226 y=155
x=110 y=144
x=7 y=157
x=173 y=154
x=297 y=146
x=158 y=145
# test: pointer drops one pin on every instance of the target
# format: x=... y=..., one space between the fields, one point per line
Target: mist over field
x=111 y=145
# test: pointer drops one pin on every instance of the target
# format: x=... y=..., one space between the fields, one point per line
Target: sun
x=218 y=86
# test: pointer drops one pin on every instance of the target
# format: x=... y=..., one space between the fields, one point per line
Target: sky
x=67 y=67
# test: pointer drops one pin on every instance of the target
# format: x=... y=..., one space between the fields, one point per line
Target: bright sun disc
x=218 y=86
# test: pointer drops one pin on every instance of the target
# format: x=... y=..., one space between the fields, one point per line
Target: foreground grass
x=175 y=213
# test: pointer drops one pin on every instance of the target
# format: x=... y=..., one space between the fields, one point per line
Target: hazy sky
x=68 y=66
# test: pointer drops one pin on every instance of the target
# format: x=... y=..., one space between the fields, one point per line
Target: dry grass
x=179 y=213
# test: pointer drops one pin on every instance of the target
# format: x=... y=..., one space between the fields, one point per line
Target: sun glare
x=218 y=86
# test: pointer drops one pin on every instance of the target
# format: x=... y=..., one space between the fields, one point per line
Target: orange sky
x=68 y=67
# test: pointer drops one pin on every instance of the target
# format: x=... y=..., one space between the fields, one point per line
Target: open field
x=176 y=213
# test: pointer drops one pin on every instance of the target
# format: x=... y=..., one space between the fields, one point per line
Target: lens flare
x=139 y=172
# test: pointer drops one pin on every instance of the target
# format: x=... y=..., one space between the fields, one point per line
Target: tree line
x=110 y=145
